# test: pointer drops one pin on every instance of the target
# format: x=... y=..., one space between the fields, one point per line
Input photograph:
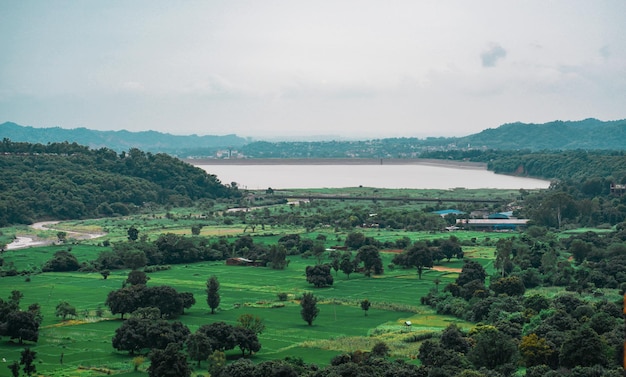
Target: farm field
x=341 y=325
x=85 y=341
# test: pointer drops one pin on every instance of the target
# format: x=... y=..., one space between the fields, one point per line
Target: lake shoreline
x=339 y=161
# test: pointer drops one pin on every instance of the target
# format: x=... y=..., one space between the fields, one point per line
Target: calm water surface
x=380 y=176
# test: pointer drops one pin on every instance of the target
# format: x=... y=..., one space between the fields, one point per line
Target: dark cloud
x=490 y=57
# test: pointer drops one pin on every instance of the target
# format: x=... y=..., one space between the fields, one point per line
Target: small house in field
x=242 y=262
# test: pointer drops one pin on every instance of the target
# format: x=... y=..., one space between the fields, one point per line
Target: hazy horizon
x=292 y=70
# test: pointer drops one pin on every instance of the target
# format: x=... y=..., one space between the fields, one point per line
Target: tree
x=217 y=360
x=471 y=270
x=380 y=349
x=164 y=297
x=27 y=360
x=420 y=256
x=133 y=233
x=535 y=350
x=130 y=336
x=14 y=367
x=213 y=294
x=504 y=250
x=318 y=252
x=319 y=275
x=64 y=309
x=347 y=264
x=451 y=248
x=251 y=322
x=169 y=362
x=277 y=257
x=370 y=256
x=61 y=236
x=125 y=300
x=136 y=277
x=453 y=339
x=196 y=229
x=247 y=340
x=22 y=326
x=511 y=286
x=105 y=274
x=580 y=250
x=222 y=335
x=198 y=347
x=187 y=299
x=355 y=240
x=134 y=259
x=365 y=306
x=62 y=261
x=309 y=308
x=492 y=348
x=583 y=347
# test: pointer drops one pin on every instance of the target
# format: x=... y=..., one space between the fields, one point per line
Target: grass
x=340 y=327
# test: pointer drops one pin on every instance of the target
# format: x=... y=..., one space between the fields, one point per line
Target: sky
x=268 y=69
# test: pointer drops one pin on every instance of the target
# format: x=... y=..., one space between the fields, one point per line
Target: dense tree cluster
x=166 y=299
x=543 y=333
x=15 y=323
x=70 y=181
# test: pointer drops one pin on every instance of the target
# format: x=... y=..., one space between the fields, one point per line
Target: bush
x=282 y=296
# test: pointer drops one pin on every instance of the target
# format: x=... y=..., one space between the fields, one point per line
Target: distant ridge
x=149 y=141
x=557 y=135
x=588 y=134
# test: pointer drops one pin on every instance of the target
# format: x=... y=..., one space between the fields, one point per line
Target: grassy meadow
x=85 y=341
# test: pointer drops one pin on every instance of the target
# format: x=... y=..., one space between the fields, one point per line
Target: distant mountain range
x=149 y=141
x=588 y=134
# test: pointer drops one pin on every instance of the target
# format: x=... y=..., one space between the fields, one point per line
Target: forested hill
x=149 y=141
x=70 y=181
x=588 y=134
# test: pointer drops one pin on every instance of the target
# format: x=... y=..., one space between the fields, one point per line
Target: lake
x=416 y=176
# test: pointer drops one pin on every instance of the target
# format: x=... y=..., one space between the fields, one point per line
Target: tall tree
x=365 y=306
x=347 y=264
x=420 y=256
x=27 y=359
x=133 y=233
x=213 y=293
x=309 y=308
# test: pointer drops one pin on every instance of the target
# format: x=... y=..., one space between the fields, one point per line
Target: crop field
x=341 y=326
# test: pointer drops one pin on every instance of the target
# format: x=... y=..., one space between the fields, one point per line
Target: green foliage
x=309 y=308
x=69 y=181
x=213 y=295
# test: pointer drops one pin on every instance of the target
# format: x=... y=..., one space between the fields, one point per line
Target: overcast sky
x=351 y=68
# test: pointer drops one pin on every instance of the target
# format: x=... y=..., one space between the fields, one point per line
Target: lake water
x=381 y=176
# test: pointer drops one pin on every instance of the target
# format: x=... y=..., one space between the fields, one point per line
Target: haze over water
x=379 y=176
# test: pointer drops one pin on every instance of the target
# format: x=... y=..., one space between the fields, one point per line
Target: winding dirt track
x=22 y=242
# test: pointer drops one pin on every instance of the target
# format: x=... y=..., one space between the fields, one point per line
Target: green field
x=340 y=327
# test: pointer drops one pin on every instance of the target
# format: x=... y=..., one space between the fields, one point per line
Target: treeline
x=70 y=181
